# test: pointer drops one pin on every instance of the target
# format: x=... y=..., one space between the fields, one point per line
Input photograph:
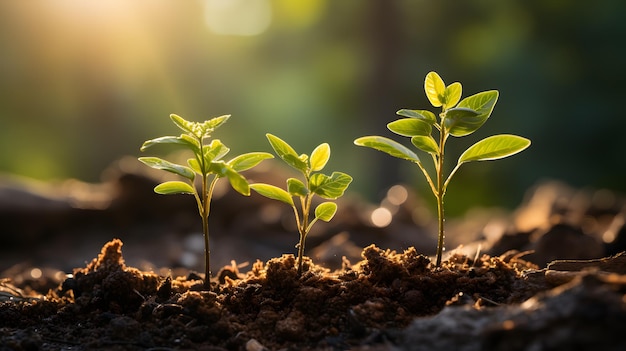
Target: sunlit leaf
x=452 y=94
x=191 y=142
x=410 y=127
x=296 y=187
x=272 y=192
x=214 y=151
x=162 y=164
x=287 y=153
x=246 y=161
x=423 y=115
x=425 y=143
x=387 y=146
x=326 y=211
x=174 y=187
x=494 y=147
x=193 y=163
x=237 y=181
x=218 y=168
x=162 y=140
x=319 y=157
x=213 y=123
x=483 y=103
x=461 y=121
x=435 y=89
x=185 y=125
x=329 y=187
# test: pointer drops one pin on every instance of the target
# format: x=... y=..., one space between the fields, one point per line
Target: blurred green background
x=83 y=83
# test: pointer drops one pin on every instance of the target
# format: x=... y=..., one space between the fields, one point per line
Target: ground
x=548 y=280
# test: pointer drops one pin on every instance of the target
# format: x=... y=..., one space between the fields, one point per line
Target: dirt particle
x=292 y=327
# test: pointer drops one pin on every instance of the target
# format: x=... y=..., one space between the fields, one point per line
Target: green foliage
x=328 y=187
x=207 y=164
x=458 y=118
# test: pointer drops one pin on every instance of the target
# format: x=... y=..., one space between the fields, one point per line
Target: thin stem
x=303 y=229
x=456 y=168
x=204 y=205
x=205 y=229
x=441 y=190
x=300 y=245
x=205 y=232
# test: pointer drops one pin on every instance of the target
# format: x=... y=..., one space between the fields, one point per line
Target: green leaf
x=159 y=163
x=483 y=103
x=494 y=147
x=410 y=127
x=287 y=153
x=326 y=211
x=425 y=143
x=237 y=181
x=214 y=151
x=435 y=89
x=174 y=187
x=319 y=157
x=296 y=187
x=192 y=142
x=246 y=161
x=461 y=121
x=214 y=123
x=387 y=146
x=185 y=125
x=272 y=192
x=218 y=168
x=452 y=94
x=329 y=187
x=193 y=163
x=423 y=115
x=162 y=140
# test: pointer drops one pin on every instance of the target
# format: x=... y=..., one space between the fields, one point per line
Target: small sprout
x=328 y=187
x=207 y=163
x=457 y=118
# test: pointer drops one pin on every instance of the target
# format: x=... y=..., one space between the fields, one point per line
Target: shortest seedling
x=328 y=187
x=206 y=163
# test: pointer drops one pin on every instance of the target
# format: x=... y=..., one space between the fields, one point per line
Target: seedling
x=207 y=163
x=328 y=187
x=457 y=119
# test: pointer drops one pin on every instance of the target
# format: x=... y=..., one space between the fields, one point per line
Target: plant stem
x=441 y=190
x=205 y=232
x=306 y=204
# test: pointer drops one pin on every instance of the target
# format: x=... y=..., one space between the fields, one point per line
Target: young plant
x=207 y=164
x=456 y=119
x=328 y=187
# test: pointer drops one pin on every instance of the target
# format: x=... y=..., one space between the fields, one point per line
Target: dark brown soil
x=107 y=304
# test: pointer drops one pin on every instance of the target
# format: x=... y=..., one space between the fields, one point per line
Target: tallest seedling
x=457 y=118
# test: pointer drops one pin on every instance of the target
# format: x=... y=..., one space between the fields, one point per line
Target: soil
x=551 y=276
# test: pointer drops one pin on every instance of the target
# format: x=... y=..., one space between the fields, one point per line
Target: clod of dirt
x=586 y=314
x=107 y=284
